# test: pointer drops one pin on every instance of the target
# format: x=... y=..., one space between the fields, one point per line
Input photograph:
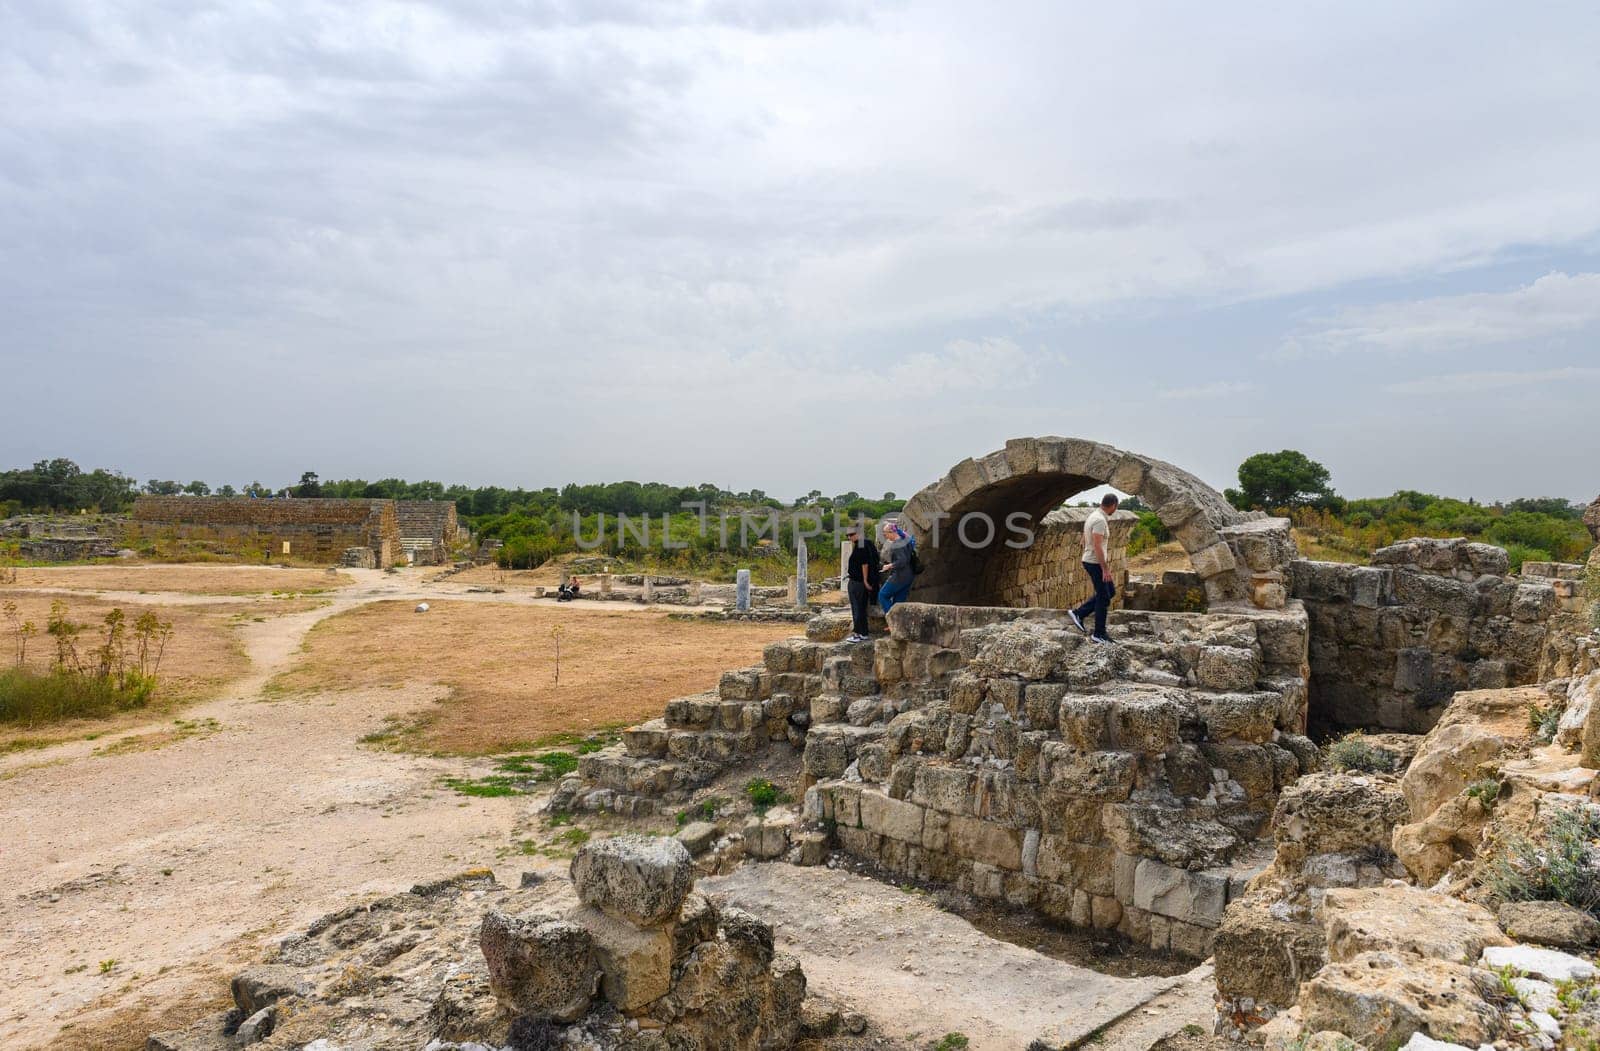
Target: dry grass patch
x=499 y=663
x=195 y=579
x=203 y=655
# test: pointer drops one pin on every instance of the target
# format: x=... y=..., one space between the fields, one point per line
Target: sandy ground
x=499 y=664
x=920 y=972
x=143 y=866
x=197 y=579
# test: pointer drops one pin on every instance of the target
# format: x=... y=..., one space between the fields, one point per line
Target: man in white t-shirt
x=1097 y=563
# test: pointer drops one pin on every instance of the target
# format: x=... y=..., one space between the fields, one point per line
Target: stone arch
x=1230 y=550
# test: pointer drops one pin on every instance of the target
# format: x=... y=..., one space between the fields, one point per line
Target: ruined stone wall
x=1392 y=642
x=316 y=530
x=1115 y=787
x=1048 y=573
x=427 y=529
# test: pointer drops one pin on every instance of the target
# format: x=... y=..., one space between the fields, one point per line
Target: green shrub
x=29 y=697
x=1352 y=753
x=1562 y=864
x=1543 y=721
x=1486 y=792
x=952 y=1042
x=764 y=795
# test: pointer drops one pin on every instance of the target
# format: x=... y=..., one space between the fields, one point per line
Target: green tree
x=227 y=490
x=157 y=487
x=309 y=486
x=1282 y=479
x=197 y=489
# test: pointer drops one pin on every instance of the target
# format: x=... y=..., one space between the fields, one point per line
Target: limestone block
x=1450 y=758
x=640 y=879
x=1182 y=837
x=1228 y=668
x=263 y=985
x=767 y=837
x=697 y=923
x=545 y=968
x=1327 y=813
x=1104 y=775
x=1381 y=999
x=986 y=842
x=1144 y=724
x=944 y=788
x=1040 y=703
x=1022 y=456
x=1191 y=897
x=1213 y=561
x=1239 y=716
x=1085 y=721
x=1073 y=817
x=1403 y=918
x=1553 y=923
x=893 y=818
x=1082 y=866
x=697 y=836
x=1548 y=964
x=1264 y=957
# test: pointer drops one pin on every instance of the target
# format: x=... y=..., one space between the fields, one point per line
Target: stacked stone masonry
x=314 y=530
x=1392 y=642
x=428 y=529
x=1120 y=788
x=1047 y=573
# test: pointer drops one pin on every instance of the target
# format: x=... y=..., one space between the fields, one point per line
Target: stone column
x=605 y=583
x=649 y=592
x=844 y=566
x=802 y=565
x=694 y=592
x=741 y=591
x=789 y=585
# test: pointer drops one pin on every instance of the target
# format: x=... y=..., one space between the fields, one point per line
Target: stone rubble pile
x=625 y=956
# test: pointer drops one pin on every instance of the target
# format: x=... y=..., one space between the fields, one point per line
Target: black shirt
x=866 y=554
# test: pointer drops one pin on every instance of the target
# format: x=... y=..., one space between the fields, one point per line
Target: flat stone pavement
x=919 y=972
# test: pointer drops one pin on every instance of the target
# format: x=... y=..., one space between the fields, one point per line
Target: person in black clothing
x=862 y=587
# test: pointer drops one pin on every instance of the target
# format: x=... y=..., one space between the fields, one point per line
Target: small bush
x=1352 y=753
x=1486 y=792
x=1543 y=722
x=29 y=697
x=952 y=1042
x=1563 y=864
x=763 y=794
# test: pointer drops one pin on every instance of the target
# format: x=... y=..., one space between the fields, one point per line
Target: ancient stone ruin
x=327 y=531
x=1165 y=788
x=625 y=955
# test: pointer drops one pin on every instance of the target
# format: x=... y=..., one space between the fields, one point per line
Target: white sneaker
x=1077 y=620
x=855 y=637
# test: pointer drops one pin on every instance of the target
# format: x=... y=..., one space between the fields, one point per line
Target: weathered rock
x=1403 y=919
x=697 y=836
x=1553 y=923
x=1429 y=847
x=635 y=962
x=1548 y=964
x=264 y=985
x=1329 y=813
x=1262 y=957
x=640 y=879
x=542 y=967
x=1380 y=999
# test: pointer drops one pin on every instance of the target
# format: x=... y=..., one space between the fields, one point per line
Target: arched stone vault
x=1233 y=552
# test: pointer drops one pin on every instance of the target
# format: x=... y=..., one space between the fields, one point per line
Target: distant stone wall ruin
x=315 y=530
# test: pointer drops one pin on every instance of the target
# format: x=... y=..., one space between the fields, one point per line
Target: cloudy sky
x=800 y=244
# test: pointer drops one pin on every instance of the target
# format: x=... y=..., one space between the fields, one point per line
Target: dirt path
x=921 y=973
x=123 y=868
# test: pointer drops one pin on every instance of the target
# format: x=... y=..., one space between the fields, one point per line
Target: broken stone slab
x=1403 y=918
x=1549 y=964
x=635 y=962
x=1380 y=999
x=639 y=879
x=1552 y=923
x=266 y=984
x=1327 y=813
x=546 y=968
x=697 y=836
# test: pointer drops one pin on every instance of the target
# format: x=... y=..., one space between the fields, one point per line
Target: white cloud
x=1475 y=382
x=1553 y=305
x=1219 y=389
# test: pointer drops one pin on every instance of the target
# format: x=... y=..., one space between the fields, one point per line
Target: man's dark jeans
x=859 y=597
x=1101 y=603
